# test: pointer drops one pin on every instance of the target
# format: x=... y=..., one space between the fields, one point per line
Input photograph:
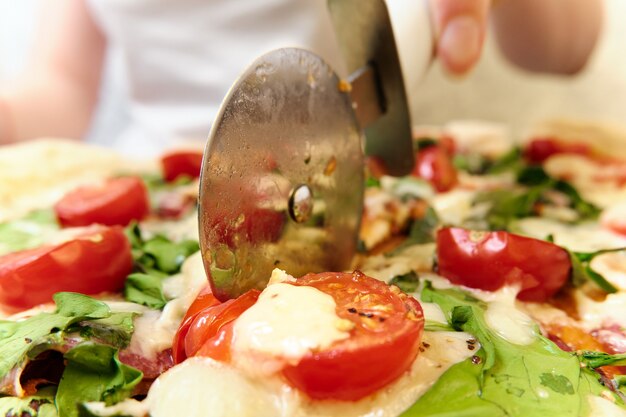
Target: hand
x=460 y=27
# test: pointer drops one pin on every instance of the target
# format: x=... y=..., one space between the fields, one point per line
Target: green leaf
x=28 y=232
x=145 y=289
x=372 y=182
x=94 y=373
x=582 y=271
x=407 y=282
x=116 y=330
x=420 y=231
x=159 y=254
x=510 y=161
x=18 y=338
x=504 y=379
x=597 y=359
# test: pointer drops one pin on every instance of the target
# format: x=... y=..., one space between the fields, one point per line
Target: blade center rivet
x=301 y=203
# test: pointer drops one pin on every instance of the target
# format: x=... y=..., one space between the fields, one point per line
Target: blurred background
x=494 y=91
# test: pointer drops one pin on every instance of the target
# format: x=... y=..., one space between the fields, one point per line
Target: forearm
x=48 y=105
x=556 y=36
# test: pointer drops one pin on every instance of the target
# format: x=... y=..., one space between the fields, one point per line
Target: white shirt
x=177 y=58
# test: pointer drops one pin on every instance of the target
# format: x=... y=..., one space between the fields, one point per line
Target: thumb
x=460 y=27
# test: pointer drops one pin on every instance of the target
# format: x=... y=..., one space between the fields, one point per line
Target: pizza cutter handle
x=370 y=34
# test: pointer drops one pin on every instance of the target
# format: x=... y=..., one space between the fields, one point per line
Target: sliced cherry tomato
x=181 y=163
x=208 y=329
x=203 y=301
x=540 y=149
x=388 y=326
x=97 y=260
x=434 y=164
x=117 y=201
x=376 y=166
x=491 y=260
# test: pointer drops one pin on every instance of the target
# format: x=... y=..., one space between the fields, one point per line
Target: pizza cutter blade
x=282 y=176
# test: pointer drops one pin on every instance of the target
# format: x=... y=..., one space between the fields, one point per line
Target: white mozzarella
x=201 y=384
x=612 y=266
x=594 y=314
x=583 y=237
x=485 y=138
x=155 y=330
x=413 y=258
x=287 y=322
x=454 y=207
x=601 y=406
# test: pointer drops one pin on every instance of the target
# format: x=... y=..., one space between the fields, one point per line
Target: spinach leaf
x=582 y=271
x=145 y=289
x=18 y=338
x=407 y=282
x=504 y=379
x=94 y=373
x=39 y=405
x=27 y=232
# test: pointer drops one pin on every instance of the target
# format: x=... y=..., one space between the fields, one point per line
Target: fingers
x=460 y=27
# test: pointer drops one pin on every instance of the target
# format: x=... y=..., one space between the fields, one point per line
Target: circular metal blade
x=282 y=175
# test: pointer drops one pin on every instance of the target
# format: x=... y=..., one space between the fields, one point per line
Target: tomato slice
x=97 y=260
x=491 y=260
x=181 y=163
x=204 y=300
x=540 y=149
x=383 y=344
x=209 y=332
x=434 y=164
x=118 y=201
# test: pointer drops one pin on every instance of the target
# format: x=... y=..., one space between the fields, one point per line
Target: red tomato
x=491 y=260
x=181 y=163
x=97 y=260
x=381 y=347
x=204 y=300
x=540 y=149
x=434 y=164
x=117 y=201
x=210 y=331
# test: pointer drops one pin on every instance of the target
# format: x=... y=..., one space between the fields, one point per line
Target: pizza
x=491 y=281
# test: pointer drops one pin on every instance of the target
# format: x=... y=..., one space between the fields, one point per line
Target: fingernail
x=459 y=44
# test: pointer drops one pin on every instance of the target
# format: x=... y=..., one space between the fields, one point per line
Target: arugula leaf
x=94 y=373
x=510 y=161
x=504 y=379
x=159 y=254
x=27 y=232
x=479 y=165
x=116 y=330
x=509 y=205
x=407 y=282
x=582 y=271
x=420 y=231
x=597 y=359
x=145 y=289
x=18 y=338
x=39 y=405
x=371 y=182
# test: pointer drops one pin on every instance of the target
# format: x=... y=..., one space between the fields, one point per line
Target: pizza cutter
x=282 y=176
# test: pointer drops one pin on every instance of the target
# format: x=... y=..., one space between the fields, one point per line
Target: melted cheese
x=155 y=330
x=287 y=322
x=595 y=314
x=601 y=406
x=612 y=266
x=183 y=389
x=584 y=237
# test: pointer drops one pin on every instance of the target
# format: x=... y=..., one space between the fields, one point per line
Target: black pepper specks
x=476 y=360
